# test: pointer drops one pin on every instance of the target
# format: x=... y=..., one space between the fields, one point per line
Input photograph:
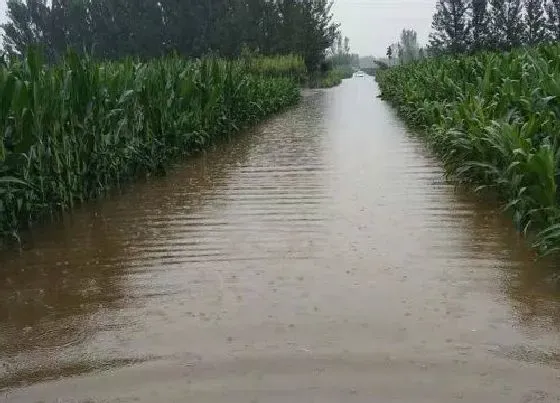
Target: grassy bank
x=494 y=121
x=290 y=66
x=74 y=130
x=331 y=78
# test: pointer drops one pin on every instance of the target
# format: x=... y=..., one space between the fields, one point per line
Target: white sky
x=371 y=25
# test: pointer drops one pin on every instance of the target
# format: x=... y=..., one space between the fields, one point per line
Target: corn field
x=74 y=130
x=292 y=66
x=494 y=119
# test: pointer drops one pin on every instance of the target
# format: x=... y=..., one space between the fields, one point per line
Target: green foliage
x=494 y=119
x=113 y=29
x=335 y=76
x=330 y=78
x=535 y=22
x=470 y=26
x=373 y=70
x=409 y=49
x=337 y=67
x=552 y=10
x=345 y=59
x=76 y=129
x=506 y=24
x=450 y=26
x=292 y=66
x=478 y=25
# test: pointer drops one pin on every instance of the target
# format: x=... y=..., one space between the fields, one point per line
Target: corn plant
x=494 y=121
x=74 y=130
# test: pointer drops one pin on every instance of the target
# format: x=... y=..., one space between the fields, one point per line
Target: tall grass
x=292 y=66
x=72 y=131
x=494 y=119
x=330 y=78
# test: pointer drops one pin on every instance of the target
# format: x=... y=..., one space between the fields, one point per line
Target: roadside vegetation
x=488 y=102
x=262 y=32
x=96 y=93
x=333 y=77
x=74 y=130
x=339 y=65
x=148 y=29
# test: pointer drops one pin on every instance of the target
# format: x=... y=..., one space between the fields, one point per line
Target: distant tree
x=535 y=22
x=552 y=8
x=450 y=27
x=334 y=45
x=478 y=26
x=111 y=29
x=506 y=24
x=346 y=45
x=355 y=60
x=409 y=45
x=27 y=25
x=395 y=50
x=389 y=52
x=400 y=52
x=343 y=57
x=340 y=47
x=497 y=22
x=514 y=27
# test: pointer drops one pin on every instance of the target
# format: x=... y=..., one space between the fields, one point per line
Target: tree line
x=406 y=49
x=339 y=53
x=112 y=29
x=461 y=26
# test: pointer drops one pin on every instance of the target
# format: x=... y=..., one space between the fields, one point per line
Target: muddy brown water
x=320 y=257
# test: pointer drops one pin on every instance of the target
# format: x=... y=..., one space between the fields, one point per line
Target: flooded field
x=320 y=257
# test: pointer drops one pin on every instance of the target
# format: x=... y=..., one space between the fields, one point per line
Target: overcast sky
x=371 y=25
x=2 y=10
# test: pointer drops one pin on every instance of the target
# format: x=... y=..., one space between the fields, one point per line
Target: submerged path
x=319 y=258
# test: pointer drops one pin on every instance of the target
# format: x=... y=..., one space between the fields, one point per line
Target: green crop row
x=494 y=119
x=72 y=131
x=292 y=66
x=331 y=78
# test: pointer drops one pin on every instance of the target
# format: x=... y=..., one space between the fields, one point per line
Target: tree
x=27 y=25
x=343 y=57
x=319 y=31
x=506 y=24
x=339 y=45
x=307 y=29
x=409 y=45
x=553 y=19
x=535 y=22
x=497 y=22
x=393 y=50
x=514 y=24
x=400 y=52
x=479 y=24
x=346 y=45
x=111 y=29
x=450 y=26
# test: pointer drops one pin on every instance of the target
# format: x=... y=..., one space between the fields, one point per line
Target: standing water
x=320 y=257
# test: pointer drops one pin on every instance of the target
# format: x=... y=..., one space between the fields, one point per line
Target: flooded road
x=320 y=257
